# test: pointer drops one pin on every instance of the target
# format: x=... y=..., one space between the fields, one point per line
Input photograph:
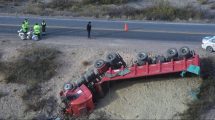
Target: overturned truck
x=79 y=96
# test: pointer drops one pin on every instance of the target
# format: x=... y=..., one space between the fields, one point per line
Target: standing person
x=89 y=29
x=24 y=27
x=37 y=30
x=43 y=24
x=26 y=24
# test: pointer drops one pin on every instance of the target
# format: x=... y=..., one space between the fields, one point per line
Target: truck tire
x=185 y=52
x=112 y=57
x=115 y=60
x=209 y=49
x=99 y=63
x=172 y=53
x=101 y=66
x=142 y=56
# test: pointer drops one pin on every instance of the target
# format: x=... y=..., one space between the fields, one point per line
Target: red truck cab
x=78 y=101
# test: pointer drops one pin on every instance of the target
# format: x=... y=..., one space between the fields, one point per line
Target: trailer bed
x=151 y=69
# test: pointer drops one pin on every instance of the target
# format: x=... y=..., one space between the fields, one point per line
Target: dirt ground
x=162 y=97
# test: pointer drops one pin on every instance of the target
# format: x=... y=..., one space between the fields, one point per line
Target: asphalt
x=162 y=31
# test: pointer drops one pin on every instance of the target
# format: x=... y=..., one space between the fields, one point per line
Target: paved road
x=114 y=29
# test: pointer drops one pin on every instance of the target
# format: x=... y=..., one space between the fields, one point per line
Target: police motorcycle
x=35 y=37
x=22 y=35
x=27 y=36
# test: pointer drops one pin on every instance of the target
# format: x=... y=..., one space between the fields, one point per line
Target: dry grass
x=34 y=65
x=213 y=6
x=32 y=99
x=161 y=11
x=206 y=97
x=2 y=94
x=105 y=1
x=86 y=63
x=94 y=8
x=203 y=1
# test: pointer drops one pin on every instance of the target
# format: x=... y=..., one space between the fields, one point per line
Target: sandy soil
x=145 y=98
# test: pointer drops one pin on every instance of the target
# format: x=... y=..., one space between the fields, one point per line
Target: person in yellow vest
x=24 y=27
x=26 y=24
x=37 y=29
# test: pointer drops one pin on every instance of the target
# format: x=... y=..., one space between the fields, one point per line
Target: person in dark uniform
x=89 y=29
x=43 y=24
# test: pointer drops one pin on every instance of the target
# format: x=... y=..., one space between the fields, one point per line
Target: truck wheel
x=142 y=56
x=112 y=57
x=184 y=52
x=172 y=53
x=101 y=66
x=99 y=63
x=115 y=61
x=209 y=49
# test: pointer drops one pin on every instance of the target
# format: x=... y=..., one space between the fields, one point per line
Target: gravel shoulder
x=160 y=97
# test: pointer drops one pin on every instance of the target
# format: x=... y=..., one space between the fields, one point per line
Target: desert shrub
x=62 y=4
x=36 y=8
x=34 y=65
x=2 y=94
x=161 y=11
x=32 y=98
x=164 y=11
x=71 y=4
x=11 y=1
x=213 y=6
x=203 y=1
x=206 y=97
x=86 y=63
x=105 y=1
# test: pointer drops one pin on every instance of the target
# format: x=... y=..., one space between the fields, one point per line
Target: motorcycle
x=28 y=36
x=36 y=37
x=22 y=35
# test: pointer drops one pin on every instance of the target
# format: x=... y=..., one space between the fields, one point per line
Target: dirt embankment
x=162 y=97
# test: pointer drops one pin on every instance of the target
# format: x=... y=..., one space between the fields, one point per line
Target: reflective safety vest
x=24 y=28
x=43 y=24
x=36 y=29
x=26 y=24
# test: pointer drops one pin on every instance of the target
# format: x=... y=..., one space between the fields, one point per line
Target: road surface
x=113 y=28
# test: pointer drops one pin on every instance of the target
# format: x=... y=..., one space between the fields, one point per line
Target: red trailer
x=148 y=70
